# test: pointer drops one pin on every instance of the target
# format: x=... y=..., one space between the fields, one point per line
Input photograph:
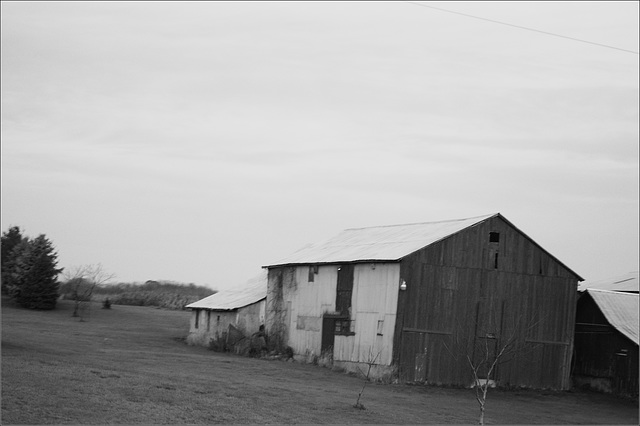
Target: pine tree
x=15 y=267
x=34 y=275
x=10 y=239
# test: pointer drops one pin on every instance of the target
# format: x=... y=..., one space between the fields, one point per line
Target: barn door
x=328 y=334
x=487 y=336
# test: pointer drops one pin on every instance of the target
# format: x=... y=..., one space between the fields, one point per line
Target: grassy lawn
x=130 y=365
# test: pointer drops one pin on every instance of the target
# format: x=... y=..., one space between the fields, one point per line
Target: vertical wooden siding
x=605 y=358
x=374 y=303
x=301 y=305
x=455 y=292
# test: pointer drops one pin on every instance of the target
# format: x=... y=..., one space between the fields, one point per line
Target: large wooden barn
x=415 y=300
x=220 y=320
x=606 y=340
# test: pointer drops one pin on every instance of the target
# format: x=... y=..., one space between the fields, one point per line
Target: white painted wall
x=373 y=305
x=307 y=305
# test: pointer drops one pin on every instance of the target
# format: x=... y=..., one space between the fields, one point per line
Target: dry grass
x=130 y=365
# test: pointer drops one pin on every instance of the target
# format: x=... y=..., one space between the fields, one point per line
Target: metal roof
x=627 y=282
x=387 y=243
x=620 y=309
x=379 y=243
x=254 y=290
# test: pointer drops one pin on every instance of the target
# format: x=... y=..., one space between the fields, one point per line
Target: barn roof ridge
x=378 y=243
x=481 y=217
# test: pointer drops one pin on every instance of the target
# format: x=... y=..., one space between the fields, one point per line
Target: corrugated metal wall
x=466 y=294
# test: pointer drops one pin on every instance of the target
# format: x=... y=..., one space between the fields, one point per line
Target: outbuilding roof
x=620 y=309
x=628 y=282
x=385 y=243
x=254 y=290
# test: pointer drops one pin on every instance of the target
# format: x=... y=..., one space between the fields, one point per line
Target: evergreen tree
x=10 y=239
x=34 y=281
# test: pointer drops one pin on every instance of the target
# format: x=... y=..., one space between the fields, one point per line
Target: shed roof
x=628 y=282
x=385 y=243
x=254 y=290
x=620 y=309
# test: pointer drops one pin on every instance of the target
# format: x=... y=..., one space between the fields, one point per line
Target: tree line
x=30 y=276
x=164 y=294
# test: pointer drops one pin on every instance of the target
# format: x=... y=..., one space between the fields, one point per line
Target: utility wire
x=525 y=28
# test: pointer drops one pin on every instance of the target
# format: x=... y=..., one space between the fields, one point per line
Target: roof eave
x=336 y=262
x=228 y=309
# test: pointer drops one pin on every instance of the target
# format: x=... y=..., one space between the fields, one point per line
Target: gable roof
x=378 y=243
x=386 y=243
x=628 y=282
x=620 y=309
x=254 y=290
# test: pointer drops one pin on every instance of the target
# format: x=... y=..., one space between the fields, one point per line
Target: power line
x=525 y=28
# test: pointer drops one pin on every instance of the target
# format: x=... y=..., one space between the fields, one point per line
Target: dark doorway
x=328 y=336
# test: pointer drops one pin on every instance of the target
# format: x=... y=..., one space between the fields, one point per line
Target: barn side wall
x=467 y=293
x=373 y=309
x=296 y=308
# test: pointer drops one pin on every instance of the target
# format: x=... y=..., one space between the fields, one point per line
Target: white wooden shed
x=241 y=309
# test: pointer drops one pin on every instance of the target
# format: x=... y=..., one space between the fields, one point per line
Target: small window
x=495 y=261
x=380 y=327
x=208 y=320
x=311 y=274
x=197 y=317
x=344 y=327
x=494 y=237
x=218 y=319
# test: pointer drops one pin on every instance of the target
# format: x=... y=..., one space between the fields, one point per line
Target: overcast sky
x=198 y=141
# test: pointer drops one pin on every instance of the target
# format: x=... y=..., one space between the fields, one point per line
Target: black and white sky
x=199 y=141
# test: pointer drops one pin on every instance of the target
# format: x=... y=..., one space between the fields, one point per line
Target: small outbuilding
x=417 y=301
x=606 y=338
x=223 y=319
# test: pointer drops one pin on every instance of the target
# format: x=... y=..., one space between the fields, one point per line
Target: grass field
x=130 y=365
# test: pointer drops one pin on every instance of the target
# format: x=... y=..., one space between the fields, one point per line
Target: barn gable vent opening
x=494 y=237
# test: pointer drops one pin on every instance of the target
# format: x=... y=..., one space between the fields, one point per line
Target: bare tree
x=485 y=350
x=82 y=281
x=370 y=362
